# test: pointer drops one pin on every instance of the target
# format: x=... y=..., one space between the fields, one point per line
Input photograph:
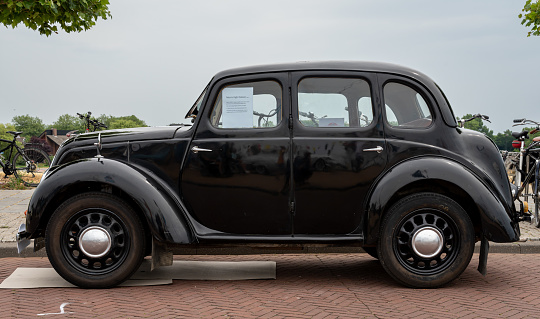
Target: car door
x=338 y=149
x=235 y=177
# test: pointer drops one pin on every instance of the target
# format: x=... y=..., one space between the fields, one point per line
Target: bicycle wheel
x=30 y=164
x=536 y=196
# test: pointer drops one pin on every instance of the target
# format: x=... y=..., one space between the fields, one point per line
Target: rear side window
x=405 y=107
x=334 y=102
x=248 y=105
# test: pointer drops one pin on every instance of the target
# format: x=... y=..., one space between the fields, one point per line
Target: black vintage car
x=336 y=153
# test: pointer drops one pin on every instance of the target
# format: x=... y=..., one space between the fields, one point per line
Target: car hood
x=130 y=134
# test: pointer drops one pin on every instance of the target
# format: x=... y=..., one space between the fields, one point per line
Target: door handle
x=377 y=149
x=196 y=149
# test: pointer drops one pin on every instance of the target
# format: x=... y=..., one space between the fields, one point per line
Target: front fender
x=165 y=218
x=496 y=216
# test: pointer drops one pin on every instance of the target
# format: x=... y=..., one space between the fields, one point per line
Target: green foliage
x=504 y=140
x=531 y=17
x=114 y=122
x=29 y=125
x=6 y=136
x=68 y=122
x=12 y=183
x=477 y=125
x=4 y=128
x=42 y=15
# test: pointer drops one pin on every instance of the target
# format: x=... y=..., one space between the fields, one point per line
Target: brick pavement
x=307 y=286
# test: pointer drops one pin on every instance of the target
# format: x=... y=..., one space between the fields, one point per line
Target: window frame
x=218 y=96
x=422 y=92
x=369 y=78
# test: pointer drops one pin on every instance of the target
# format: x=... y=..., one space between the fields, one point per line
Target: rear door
x=338 y=149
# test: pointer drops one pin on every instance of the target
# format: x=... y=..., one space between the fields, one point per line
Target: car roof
x=364 y=66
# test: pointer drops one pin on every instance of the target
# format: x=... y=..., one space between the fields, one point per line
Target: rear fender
x=495 y=216
x=163 y=212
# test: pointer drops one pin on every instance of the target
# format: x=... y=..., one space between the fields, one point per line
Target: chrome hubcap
x=427 y=242
x=95 y=242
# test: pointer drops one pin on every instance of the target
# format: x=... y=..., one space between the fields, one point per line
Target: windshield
x=192 y=113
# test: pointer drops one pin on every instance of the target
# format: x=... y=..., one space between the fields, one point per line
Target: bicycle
x=95 y=123
x=28 y=164
x=264 y=117
x=528 y=166
x=314 y=119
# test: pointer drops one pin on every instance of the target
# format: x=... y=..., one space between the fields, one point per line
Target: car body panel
x=432 y=170
x=160 y=207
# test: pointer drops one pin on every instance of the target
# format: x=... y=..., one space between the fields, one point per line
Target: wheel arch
x=162 y=217
x=490 y=217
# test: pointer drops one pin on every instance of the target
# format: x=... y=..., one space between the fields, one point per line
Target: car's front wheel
x=95 y=240
x=427 y=240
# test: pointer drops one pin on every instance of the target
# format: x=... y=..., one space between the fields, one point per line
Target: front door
x=339 y=149
x=235 y=179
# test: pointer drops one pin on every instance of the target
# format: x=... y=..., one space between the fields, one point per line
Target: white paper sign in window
x=237 y=107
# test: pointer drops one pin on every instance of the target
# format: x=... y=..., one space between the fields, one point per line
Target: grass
x=11 y=183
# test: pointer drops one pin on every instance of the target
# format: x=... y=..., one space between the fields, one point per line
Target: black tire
x=372 y=251
x=105 y=260
x=535 y=220
x=427 y=240
x=30 y=166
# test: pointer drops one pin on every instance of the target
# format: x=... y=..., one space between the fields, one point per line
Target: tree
x=531 y=17
x=69 y=122
x=477 y=125
x=504 y=140
x=6 y=136
x=114 y=122
x=29 y=125
x=44 y=14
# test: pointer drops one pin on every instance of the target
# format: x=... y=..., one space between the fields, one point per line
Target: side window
x=334 y=102
x=248 y=105
x=405 y=107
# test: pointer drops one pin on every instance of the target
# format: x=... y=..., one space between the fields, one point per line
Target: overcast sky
x=152 y=59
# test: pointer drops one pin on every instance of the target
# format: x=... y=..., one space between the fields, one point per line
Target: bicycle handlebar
x=95 y=123
x=526 y=121
x=475 y=116
x=86 y=116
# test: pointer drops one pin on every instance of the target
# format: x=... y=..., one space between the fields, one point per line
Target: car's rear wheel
x=427 y=240
x=95 y=240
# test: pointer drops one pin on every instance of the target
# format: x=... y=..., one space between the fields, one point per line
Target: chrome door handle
x=377 y=149
x=196 y=149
